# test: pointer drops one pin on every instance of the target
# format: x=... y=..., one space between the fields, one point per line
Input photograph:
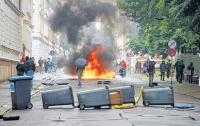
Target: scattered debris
x=192 y=118
x=10 y=118
x=103 y=82
x=106 y=82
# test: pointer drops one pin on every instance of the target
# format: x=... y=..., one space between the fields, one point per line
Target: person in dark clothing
x=162 y=70
x=80 y=63
x=151 y=70
x=177 y=66
x=168 y=68
x=29 y=67
x=190 y=73
x=45 y=66
x=182 y=71
x=20 y=68
x=179 y=70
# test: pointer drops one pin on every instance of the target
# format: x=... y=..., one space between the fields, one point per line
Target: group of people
x=26 y=66
x=180 y=66
x=165 y=68
x=47 y=66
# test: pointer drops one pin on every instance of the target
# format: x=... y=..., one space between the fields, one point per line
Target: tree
x=163 y=20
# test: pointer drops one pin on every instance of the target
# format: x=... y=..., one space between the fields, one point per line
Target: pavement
x=5 y=104
x=140 y=116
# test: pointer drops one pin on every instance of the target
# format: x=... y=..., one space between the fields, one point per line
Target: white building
x=10 y=37
x=44 y=39
x=27 y=26
x=15 y=34
x=10 y=30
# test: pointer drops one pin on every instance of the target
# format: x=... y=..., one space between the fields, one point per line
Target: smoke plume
x=75 y=20
x=71 y=16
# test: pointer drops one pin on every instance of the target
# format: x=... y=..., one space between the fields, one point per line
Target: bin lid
x=17 y=78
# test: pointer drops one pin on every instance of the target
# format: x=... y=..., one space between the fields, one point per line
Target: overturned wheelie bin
x=94 y=98
x=158 y=96
x=55 y=97
x=128 y=93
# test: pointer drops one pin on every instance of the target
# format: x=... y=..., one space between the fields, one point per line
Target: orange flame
x=95 y=68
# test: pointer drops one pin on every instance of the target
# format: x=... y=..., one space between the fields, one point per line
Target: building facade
x=44 y=39
x=15 y=34
x=10 y=37
x=27 y=26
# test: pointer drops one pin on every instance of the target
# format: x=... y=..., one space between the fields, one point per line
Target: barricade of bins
x=115 y=98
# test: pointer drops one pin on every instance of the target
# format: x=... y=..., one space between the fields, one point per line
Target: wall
x=7 y=69
x=10 y=37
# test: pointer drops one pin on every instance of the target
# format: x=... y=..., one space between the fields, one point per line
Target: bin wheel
x=45 y=106
x=146 y=103
x=82 y=107
x=30 y=106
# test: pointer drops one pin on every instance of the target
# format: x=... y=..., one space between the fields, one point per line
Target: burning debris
x=98 y=67
x=75 y=20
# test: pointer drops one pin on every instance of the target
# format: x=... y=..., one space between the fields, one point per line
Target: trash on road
x=103 y=82
x=10 y=118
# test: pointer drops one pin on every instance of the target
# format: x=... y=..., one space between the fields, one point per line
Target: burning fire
x=96 y=66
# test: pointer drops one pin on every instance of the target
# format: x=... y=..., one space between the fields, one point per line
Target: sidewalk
x=5 y=96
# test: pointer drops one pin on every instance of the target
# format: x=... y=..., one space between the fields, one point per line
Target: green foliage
x=161 y=21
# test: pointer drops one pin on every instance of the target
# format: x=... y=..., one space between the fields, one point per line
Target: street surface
x=140 y=116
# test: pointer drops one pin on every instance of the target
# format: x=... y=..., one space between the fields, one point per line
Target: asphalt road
x=140 y=116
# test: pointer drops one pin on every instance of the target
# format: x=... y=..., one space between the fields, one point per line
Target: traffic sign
x=172 y=44
x=172 y=52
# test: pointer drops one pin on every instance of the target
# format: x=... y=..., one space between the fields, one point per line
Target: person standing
x=151 y=70
x=20 y=68
x=122 y=70
x=182 y=66
x=29 y=67
x=162 y=70
x=40 y=62
x=178 y=69
x=190 y=73
x=168 y=68
x=45 y=66
x=80 y=64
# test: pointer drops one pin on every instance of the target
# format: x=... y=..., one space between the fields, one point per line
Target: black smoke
x=74 y=20
x=70 y=17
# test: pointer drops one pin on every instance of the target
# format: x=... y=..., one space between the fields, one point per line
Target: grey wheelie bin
x=94 y=98
x=158 y=96
x=127 y=93
x=20 y=88
x=63 y=96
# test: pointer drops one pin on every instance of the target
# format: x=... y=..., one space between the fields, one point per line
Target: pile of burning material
x=97 y=66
